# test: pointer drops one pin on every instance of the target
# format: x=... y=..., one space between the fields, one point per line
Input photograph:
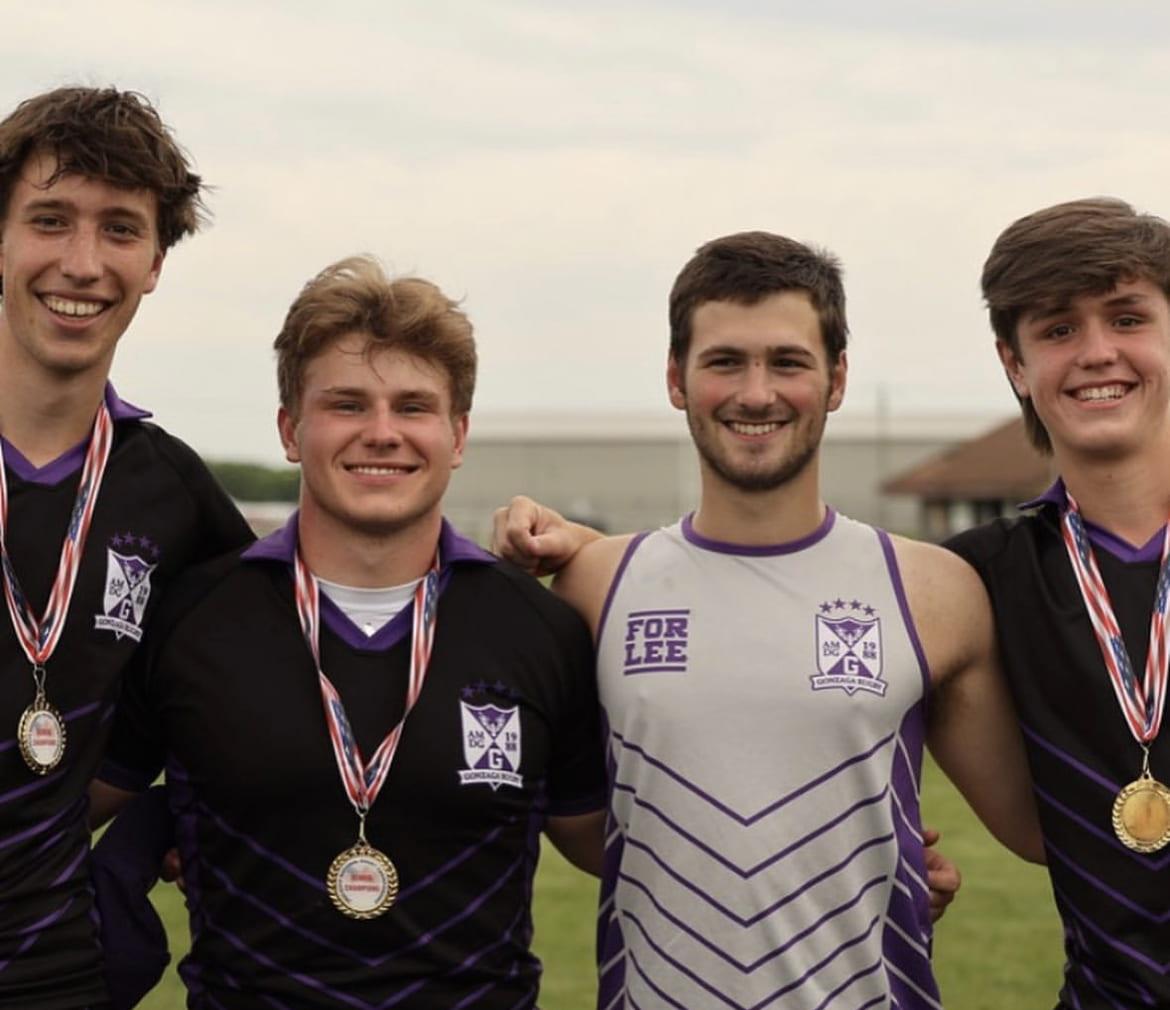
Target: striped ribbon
x=1142 y=701
x=38 y=639
x=363 y=781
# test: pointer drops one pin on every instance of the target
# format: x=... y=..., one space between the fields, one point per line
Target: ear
x=675 y=384
x=837 y=374
x=1013 y=367
x=286 y=424
x=461 y=425
x=155 y=271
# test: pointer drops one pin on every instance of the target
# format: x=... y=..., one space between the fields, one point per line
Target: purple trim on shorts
x=904 y=607
x=757 y=550
x=627 y=554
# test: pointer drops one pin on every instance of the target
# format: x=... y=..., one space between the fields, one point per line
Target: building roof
x=1000 y=465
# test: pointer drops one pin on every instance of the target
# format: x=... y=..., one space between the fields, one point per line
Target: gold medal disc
x=1141 y=815
x=362 y=882
x=41 y=736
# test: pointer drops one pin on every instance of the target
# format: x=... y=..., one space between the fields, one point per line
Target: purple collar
x=71 y=460
x=756 y=550
x=1057 y=497
x=281 y=545
x=454 y=548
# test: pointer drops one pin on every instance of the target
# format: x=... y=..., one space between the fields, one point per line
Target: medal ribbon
x=1142 y=702
x=363 y=780
x=39 y=638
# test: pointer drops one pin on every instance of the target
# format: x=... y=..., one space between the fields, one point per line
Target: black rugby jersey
x=1114 y=903
x=227 y=697
x=158 y=511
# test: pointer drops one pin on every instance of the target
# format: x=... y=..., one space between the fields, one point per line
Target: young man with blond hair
x=1077 y=295
x=99 y=510
x=366 y=720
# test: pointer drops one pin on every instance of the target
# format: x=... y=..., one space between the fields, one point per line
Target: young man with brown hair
x=98 y=509
x=366 y=719
x=763 y=668
x=1077 y=295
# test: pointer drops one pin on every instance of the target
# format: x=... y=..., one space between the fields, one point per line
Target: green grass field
x=998 y=948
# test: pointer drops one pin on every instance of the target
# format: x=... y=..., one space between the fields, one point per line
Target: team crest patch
x=849 y=648
x=491 y=745
x=130 y=560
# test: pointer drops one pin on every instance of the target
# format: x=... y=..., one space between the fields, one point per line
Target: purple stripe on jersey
x=70 y=813
x=617 y=578
x=904 y=607
x=693 y=536
x=1106 y=836
x=32 y=932
x=70 y=716
x=1161 y=967
x=769 y=955
x=1098 y=884
x=856 y=976
x=310 y=982
x=1108 y=784
x=749 y=819
x=691 y=886
x=260 y=850
x=371 y=962
x=681 y=968
x=182 y=804
x=747 y=874
x=1091 y=977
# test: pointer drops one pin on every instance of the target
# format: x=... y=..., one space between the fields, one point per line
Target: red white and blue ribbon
x=1142 y=702
x=38 y=639
x=363 y=780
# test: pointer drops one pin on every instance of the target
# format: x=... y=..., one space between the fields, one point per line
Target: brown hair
x=750 y=266
x=354 y=295
x=1051 y=257
x=109 y=135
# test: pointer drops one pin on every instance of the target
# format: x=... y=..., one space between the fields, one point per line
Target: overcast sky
x=555 y=165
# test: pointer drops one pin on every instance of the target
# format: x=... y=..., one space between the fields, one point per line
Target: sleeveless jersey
x=765 y=730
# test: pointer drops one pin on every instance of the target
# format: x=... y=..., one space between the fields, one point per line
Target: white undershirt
x=369 y=609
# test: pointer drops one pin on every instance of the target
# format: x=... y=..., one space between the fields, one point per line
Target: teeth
x=69 y=307
x=1100 y=393
x=744 y=428
x=378 y=471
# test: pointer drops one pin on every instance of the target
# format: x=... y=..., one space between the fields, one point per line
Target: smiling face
x=76 y=258
x=756 y=387
x=375 y=438
x=1097 y=371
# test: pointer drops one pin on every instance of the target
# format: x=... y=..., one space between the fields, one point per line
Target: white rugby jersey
x=765 y=711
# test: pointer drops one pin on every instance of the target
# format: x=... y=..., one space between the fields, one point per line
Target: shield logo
x=126 y=595
x=491 y=745
x=849 y=654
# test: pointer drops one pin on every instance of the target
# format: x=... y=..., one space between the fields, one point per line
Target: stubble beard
x=755 y=481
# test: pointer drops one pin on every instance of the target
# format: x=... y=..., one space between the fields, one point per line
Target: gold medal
x=41 y=735
x=362 y=882
x=1141 y=814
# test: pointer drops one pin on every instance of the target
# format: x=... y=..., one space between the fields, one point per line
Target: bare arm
x=973 y=732
x=580 y=839
x=536 y=538
x=105 y=801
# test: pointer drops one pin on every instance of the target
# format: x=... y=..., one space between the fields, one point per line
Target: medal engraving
x=1141 y=815
x=41 y=735
x=362 y=882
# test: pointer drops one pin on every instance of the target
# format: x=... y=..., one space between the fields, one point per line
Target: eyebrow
x=1132 y=299
x=116 y=211
x=772 y=349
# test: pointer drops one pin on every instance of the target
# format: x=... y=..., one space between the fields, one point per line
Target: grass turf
x=998 y=947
